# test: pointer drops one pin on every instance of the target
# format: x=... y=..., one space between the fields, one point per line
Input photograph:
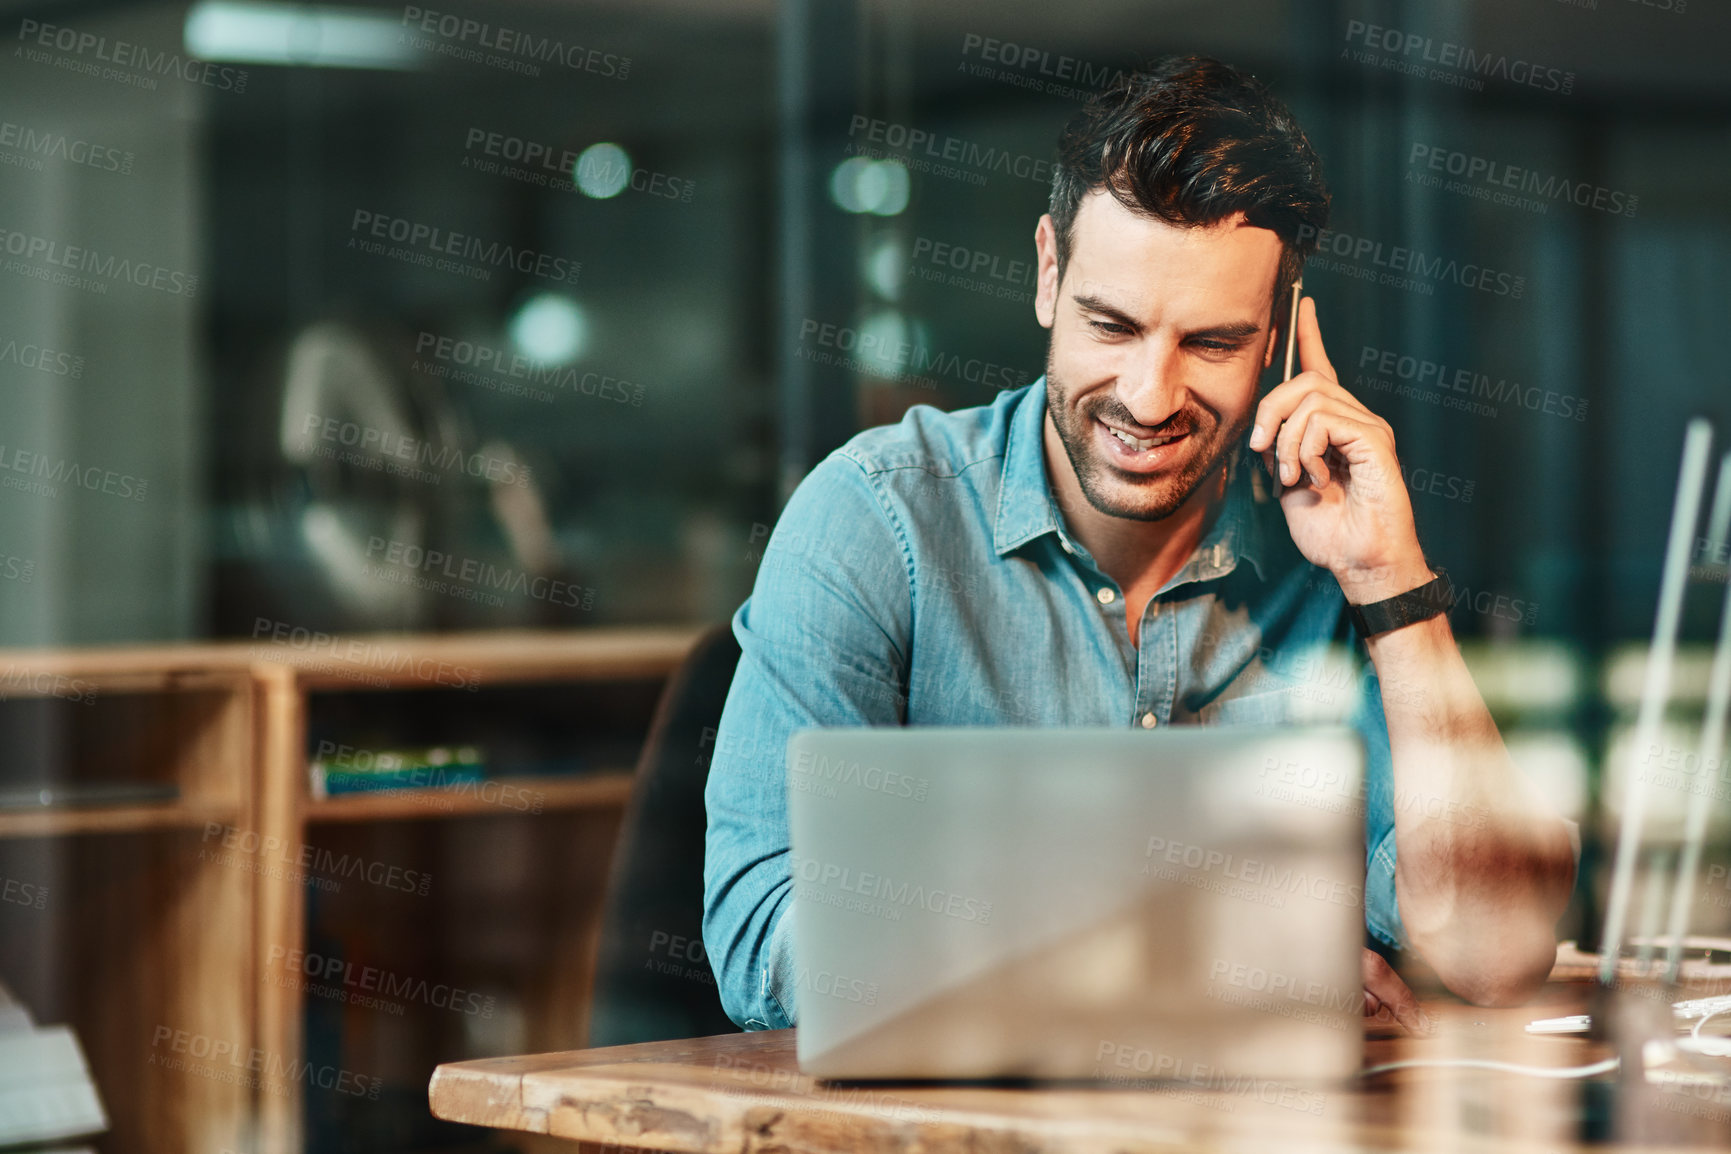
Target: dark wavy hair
x=1191 y=141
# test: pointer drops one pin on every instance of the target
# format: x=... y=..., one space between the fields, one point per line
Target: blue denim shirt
x=922 y=574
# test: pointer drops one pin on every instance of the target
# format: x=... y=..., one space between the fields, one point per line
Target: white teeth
x=1139 y=445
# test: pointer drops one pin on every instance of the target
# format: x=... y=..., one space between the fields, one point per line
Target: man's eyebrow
x=1095 y=304
x=1234 y=331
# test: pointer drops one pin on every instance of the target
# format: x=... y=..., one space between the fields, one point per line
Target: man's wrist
x=1365 y=584
x=1423 y=603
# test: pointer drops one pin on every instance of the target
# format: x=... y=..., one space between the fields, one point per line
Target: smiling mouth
x=1143 y=444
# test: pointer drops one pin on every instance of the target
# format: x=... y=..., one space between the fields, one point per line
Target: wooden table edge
x=458 y=1088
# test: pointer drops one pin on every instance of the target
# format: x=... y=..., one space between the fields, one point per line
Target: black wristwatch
x=1427 y=601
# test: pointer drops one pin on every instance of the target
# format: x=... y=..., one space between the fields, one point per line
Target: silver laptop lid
x=1078 y=903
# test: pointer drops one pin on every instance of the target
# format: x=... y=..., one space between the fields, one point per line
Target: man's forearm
x=1484 y=864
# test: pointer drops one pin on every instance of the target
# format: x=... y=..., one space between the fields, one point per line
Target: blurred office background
x=348 y=318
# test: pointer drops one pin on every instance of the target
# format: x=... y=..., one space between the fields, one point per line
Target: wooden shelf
x=505 y=657
x=359 y=661
x=149 y=932
x=504 y=796
x=168 y=815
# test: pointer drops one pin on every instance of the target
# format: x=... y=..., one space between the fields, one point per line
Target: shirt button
x=1068 y=548
x=1105 y=596
x=1149 y=721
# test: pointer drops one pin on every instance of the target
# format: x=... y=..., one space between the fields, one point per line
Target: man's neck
x=1141 y=556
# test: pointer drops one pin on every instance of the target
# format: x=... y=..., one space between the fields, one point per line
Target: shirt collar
x=1027 y=509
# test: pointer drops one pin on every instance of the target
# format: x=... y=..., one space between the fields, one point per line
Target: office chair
x=652 y=978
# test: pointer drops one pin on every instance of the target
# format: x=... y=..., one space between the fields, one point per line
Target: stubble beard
x=1136 y=497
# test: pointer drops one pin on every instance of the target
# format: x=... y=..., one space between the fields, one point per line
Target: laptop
x=1116 y=905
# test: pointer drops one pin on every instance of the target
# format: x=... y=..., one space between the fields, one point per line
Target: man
x=1090 y=550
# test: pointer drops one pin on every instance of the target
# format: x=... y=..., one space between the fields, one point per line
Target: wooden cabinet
x=190 y=940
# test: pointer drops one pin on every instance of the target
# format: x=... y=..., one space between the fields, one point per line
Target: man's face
x=1158 y=335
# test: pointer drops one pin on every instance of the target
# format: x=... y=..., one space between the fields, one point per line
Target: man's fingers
x=1279 y=416
x=1283 y=400
x=1311 y=447
x=1322 y=428
x=1382 y=983
x=1291 y=431
x=1318 y=421
x=1311 y=354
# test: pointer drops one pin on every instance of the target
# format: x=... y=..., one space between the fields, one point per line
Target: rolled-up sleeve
x=824 y=641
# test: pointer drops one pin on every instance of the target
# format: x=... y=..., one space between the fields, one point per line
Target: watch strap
x=1429 y=600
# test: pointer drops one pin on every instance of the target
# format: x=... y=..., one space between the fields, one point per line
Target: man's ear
x=1046 y=284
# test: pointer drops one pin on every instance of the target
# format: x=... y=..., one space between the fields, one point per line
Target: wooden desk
x=743 y=1093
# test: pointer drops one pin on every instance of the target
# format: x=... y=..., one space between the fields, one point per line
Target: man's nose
x=1153 y=387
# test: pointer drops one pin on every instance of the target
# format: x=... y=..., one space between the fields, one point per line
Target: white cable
x=1604 y=1067
x=1695 y=1030
x=1558 y=1072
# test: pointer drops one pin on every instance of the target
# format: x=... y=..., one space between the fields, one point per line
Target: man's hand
x=1480 y=900
x=1387 y=998
x=1339 y=481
